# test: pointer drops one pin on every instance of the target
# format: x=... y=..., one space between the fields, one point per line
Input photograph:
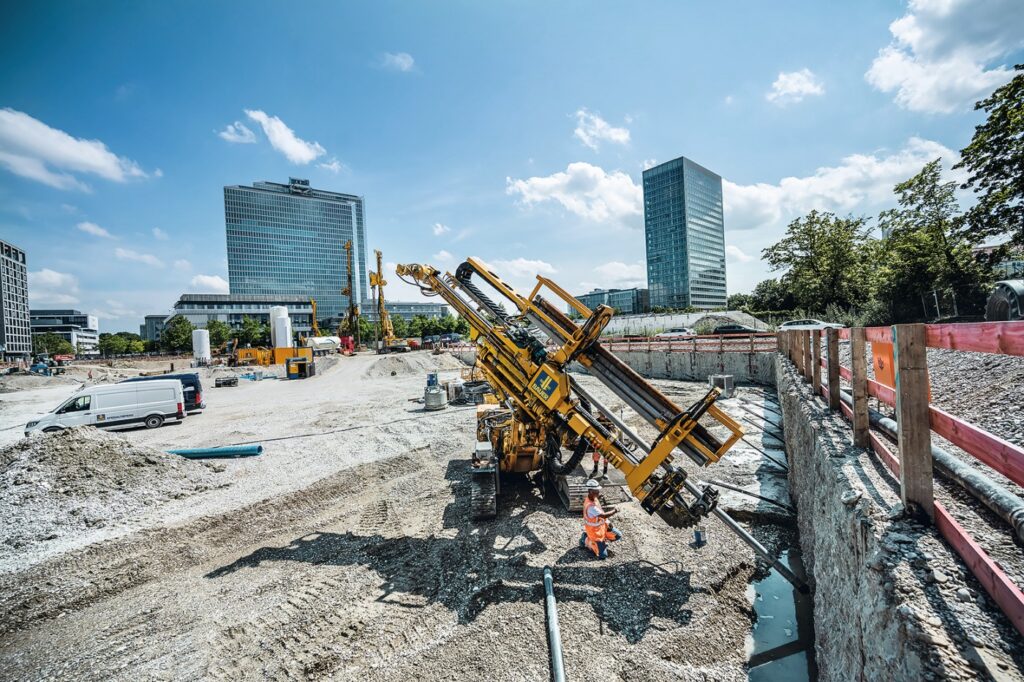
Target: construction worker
x=597 y=531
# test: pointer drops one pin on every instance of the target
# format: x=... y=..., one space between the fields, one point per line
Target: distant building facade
x=232 y=309
x=685 y=235
x=152 y=327
x=288 y=239
x=15 y=327
x=82 y=331
x=624 y=301
x=408 y=310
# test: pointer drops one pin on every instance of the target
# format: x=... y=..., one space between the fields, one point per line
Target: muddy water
x=780 y=645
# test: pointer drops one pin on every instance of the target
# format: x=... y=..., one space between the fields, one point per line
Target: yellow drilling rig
x=353 y=307
x=387 y=341
x=524 y=352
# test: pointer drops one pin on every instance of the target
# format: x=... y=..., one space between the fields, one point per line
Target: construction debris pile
x=55 y=486
x=412 y=364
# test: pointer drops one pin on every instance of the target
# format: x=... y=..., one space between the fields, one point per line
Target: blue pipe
x=226 y=451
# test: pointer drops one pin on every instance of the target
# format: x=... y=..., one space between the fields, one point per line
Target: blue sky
x=513 y=131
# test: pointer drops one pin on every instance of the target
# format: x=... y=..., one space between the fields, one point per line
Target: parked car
x=148 y=404
x=733 y=329
x=808 y=324
x=190 y=384
x=676 y=333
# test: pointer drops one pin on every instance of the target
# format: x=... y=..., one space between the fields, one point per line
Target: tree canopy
x=51 y=344
x=177 y=336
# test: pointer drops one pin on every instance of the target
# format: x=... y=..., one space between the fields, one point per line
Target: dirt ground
x=346 y=550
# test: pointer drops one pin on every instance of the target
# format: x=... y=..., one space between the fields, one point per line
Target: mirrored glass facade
x=287 y=239
x=685 y=234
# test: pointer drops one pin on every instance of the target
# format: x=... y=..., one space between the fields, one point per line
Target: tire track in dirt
x=83 y=577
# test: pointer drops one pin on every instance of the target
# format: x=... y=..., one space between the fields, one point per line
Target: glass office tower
x=288 y=239
x=685 y=236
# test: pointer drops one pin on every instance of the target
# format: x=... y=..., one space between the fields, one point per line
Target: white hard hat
x=593 y=485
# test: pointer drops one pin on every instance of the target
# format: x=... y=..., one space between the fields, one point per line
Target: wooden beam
x=859 y=370
x=808 y=371
x=914 y=427
x=832 y=338
x=816 y=361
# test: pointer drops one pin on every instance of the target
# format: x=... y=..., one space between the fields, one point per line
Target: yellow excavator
x=542 y=411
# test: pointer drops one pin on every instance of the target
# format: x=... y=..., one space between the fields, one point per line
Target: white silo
x=201 y=347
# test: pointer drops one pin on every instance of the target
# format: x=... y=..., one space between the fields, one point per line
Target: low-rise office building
x=152 y=327
x=232 y=309
x=82 y=331
x=624 y=301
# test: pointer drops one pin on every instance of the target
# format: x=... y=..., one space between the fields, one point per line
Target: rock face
x=891 y=599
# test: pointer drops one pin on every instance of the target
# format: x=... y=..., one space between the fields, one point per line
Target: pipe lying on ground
x=1001 y=501
x=222 y=452
x=554 y=635
x=736 y=488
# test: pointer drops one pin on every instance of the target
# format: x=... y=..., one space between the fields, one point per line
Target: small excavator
x=543 y=411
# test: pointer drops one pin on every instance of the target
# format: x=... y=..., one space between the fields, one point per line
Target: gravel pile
x=56 y=486
x=28 y=381
x=405 y=364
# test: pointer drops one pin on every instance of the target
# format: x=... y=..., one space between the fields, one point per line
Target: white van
x=147 y=403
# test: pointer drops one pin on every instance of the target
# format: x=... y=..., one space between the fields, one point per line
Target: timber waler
x=542 y=411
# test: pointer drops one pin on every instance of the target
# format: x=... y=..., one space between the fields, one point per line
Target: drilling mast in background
x=387 y=341
x=353 y=307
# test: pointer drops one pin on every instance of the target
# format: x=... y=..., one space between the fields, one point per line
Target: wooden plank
x=882 y=392
x=816 y=360
x=832 y=338
x=844 y=334
x=1006 y=338
x=1001 y=455
x=845 y=373
x=859 y=379
x=879 y=334
x=914 y=428
x=808 y=371
x=884 y=454
x=997 y=584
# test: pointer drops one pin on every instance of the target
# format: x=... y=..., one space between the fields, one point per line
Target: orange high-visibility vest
x=595 y=528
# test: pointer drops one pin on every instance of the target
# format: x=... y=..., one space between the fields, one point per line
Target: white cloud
x=34 y=150
x=619 y=275
x=49 y=287
x=147 y=258
x=160 y=234
x=115 y=310
x=283 y=139
x=182 y=264
x=333 y=165
x=586 y=190
x=735 y=254
x=941 y=52
x=443 y=256
x=210 y=284
x=93 y=229
x=649 y=163
x=398 y=61
x=521 y=268
x=238 y=133
x=439 y=229
x=793 y=86
x=859 y=181
x=591 y=129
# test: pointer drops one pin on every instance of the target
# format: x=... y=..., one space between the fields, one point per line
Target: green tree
x=824 y=259
x=739 y=301
x=771 y=294
x=417 y=324
x=925 y=249
x=219 y=332
x=51 y=344
x=113 y=344
x=400 y=326
x=136 y=346
x=177 y=336
x=995 y=160
x=253 y=332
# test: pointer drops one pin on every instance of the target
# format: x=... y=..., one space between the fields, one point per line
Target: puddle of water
x=780 y=645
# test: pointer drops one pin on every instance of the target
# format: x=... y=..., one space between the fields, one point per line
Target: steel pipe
x=998 y=499
x=226 y=451
x=554 y=634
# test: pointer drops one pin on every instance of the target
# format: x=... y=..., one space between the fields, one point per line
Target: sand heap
x=405 y=364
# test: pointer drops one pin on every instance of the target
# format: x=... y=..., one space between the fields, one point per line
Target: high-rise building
x=685 y=236
x=80 y=330
x=288 y=239
x=15 y=330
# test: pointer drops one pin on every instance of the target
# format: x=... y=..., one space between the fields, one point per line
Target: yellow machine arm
x=387 y=330
x=525 y=353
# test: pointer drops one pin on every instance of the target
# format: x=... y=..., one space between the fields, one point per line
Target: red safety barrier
x=882 y=392
x=1005 y=338
x=1001 y=455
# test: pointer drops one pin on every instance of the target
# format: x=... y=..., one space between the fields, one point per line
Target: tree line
x=923 y=266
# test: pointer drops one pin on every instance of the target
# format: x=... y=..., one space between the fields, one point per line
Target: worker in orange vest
x=597 y=531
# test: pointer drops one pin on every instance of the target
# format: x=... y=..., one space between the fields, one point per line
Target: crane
x=388 y=341
x=353 y=307
x=525 y=354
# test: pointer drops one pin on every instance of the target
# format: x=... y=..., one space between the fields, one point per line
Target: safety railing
x=721 y=343
x=916 y=418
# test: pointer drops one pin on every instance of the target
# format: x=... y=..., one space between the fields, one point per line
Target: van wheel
x=154 y=421
x=52 y=429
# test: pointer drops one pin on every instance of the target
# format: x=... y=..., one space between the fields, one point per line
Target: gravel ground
x=346 y=551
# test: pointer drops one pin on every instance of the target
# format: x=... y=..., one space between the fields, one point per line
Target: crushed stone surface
x=56 y=485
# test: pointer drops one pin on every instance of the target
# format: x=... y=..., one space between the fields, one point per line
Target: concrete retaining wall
x=879 y=612
x=745 y=367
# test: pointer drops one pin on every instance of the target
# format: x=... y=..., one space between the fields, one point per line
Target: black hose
x=554 y=451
